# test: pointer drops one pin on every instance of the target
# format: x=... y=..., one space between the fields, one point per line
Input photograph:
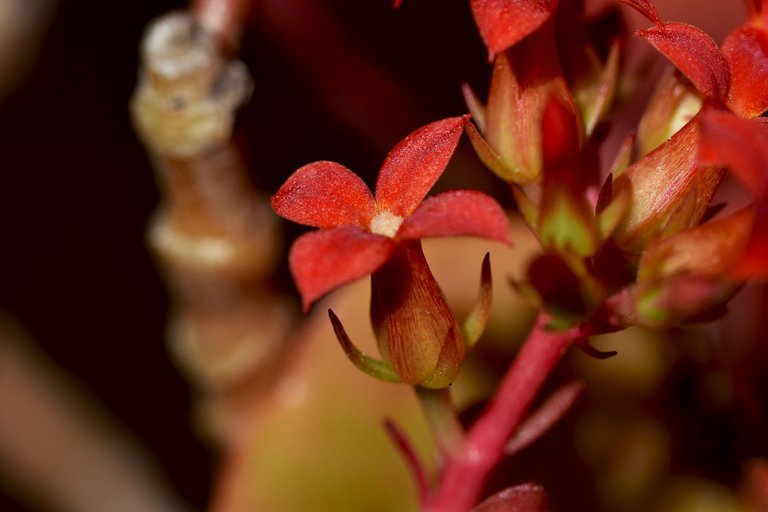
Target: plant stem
x=465 y=475
x=443 y=420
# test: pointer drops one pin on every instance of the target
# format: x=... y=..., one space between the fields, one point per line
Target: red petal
x=694 y=53
x=324 y=260
x=415 y=164
x=646 y=8
x=755 y=260
x=503 y=23
x=459 y=212
x=742 y=144
x=521 y=498
x=746 y=51
x=324 y=194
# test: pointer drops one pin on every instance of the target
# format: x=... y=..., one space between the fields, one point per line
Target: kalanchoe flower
x=742 y=145
x=671 y=191
x=502 y=23
x=690 y=275
x=746 y=50
x=380 y=234
x=673 y=104
x=524 y=78
x=735 y=75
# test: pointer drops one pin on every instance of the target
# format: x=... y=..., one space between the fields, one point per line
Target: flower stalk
x=464 y=476
x=443 y=420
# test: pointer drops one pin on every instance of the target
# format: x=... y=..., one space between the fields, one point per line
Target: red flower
x=359 y=231
x=742 y=144
x=735 y=75
x=502 y=23
x=361 y=234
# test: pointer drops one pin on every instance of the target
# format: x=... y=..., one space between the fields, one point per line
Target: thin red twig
x=465 y=475
x=544 y=418
x=411 y=458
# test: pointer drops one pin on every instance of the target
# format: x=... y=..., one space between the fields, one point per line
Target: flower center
x=386 y=224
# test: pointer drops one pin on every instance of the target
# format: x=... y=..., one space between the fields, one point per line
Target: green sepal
x=527 y=207
x=682 y=217
x=609 y=217
x=492 y=159
x=369 y=365
x=567 y=224
x=623 y=156
x=475 y=106
x=527 y=292
x=560 y=319
x=475 y=323
x=594 y=96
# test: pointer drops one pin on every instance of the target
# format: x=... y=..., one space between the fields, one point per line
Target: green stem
x=443 y=420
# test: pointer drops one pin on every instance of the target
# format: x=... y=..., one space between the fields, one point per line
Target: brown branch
x=215 y=238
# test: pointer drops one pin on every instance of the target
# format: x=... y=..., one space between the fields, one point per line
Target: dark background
x=76 y=189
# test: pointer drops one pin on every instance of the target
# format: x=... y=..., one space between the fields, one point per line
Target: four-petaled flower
x=380 y=234
x=359 y=231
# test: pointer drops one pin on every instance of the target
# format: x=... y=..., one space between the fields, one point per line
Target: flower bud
x=673 y=104
x=671 y=191
x=524 y=79
x=685 y=276
x=417 y=333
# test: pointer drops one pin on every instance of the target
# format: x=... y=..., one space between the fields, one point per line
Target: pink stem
x=464 y=476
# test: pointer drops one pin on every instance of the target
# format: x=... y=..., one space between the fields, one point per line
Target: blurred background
x=338 y=80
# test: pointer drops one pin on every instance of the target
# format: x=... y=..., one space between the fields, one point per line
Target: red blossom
x=360 y=231
x=735 y=75
x=746 y=50
x=742 y=144
x=502 y=23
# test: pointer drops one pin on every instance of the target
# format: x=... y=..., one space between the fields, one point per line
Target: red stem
x=464 y=476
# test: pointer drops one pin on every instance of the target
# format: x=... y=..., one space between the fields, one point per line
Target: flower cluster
x=641 y=246
x=637 y=242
